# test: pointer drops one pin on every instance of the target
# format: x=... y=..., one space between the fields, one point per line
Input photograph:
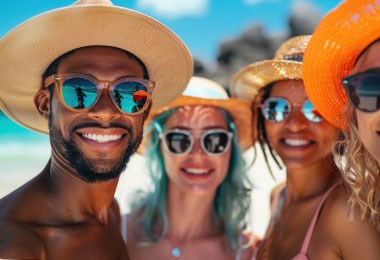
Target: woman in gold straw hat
x=198 y=203
x=345 y=54
x=309 y=219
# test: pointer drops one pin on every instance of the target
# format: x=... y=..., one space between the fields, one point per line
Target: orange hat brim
x=239 y=110
x=337 y=42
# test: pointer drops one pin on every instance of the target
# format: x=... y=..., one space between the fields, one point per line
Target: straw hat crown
x=286 y=64
x=293 y=49
x=28 y=49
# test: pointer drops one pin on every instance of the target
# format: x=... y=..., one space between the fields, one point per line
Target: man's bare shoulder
x=17 y=241
x=17 y=238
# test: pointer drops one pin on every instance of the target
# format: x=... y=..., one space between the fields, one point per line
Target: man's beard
x=86 y=168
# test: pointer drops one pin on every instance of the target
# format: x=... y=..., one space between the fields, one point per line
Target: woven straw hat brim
x=239 y=110
x=246 y=83
x=332 y=52
x=27 y=51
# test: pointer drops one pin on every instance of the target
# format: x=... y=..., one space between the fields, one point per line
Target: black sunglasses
x=278 y=109
x=363 y=90
x=213 y=142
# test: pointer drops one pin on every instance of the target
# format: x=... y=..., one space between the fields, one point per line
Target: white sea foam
x=13 y=149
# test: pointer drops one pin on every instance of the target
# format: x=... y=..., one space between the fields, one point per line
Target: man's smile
x=102 y=138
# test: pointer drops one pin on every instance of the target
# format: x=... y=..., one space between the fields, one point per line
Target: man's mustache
x=99 y=125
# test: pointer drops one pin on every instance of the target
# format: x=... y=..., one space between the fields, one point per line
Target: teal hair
x=231 y=202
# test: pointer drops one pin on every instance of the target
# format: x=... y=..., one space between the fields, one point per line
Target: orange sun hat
x=204 y=92
x=337 y=42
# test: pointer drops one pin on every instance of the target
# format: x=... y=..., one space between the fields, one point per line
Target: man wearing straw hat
x=73 y=73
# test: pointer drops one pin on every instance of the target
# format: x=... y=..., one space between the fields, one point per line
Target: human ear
x=42 y=102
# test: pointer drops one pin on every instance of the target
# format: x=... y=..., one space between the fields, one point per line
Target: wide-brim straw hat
x=205 y=92
x=28 y=50
x=336 y=44
x=286 y=64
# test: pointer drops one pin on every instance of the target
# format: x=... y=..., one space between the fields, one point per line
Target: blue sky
x=202 y=24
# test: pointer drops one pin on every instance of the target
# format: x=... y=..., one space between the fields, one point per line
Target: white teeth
x=296 y=142
x=196 y=171
x=102 y=138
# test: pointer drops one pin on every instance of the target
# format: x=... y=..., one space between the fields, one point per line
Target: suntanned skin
x=310 y=173
x=58 y=215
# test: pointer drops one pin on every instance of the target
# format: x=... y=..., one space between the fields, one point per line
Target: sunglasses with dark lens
x=278 y=109
x=213 y=142
x=79 y=92
x=363 y=90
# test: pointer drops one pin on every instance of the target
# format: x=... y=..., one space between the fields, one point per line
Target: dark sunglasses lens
x=130 y=96
x=276 y=109
x=364 y=91
x=78 y=93
x=178 y=142
x=311 y=113
x=216 y=143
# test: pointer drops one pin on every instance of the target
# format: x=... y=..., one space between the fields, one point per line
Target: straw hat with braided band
x=204 y=92
x=286 y=64
x=337 y=42
x=28 y=50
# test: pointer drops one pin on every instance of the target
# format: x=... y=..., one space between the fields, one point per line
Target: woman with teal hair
x=198 y=202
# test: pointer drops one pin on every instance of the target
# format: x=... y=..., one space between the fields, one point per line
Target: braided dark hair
x=265 y=146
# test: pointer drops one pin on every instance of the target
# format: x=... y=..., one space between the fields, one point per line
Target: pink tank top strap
x=305 y=245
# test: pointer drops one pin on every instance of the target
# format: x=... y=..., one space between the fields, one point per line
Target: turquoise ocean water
x=23 y=154
x=17 y=142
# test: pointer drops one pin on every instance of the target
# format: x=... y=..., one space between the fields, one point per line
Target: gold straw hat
x=205 y=92
x=28 y=50
x=286 y=64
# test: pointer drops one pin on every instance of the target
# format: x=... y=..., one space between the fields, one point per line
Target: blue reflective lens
x=130 y=97
x=311 y=113
x=78 y=93
x=275 y=109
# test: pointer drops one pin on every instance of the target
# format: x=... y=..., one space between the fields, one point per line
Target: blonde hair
x=360 y=170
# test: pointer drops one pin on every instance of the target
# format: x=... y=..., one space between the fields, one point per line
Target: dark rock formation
x=254 y=44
